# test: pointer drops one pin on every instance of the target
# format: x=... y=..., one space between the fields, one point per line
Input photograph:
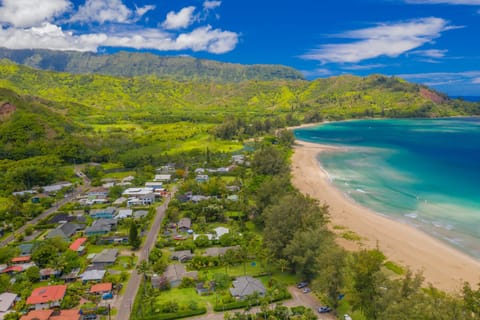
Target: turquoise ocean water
x=425 y=173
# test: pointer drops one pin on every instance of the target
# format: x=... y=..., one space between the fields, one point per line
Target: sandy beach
x=443 y=266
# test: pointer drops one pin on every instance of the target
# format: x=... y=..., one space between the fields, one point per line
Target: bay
x=424 y=172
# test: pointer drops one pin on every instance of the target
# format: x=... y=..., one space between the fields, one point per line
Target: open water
x=423 y=172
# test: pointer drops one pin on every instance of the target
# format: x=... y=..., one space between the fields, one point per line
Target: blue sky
x=436 y=42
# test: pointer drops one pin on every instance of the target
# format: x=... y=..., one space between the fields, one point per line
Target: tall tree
x=133 y=237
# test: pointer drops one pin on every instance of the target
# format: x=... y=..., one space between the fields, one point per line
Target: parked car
x=302 y=284
x=324 y=309
x=306 y=290
x=347 y=317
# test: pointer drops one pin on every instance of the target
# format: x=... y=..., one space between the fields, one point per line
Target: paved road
x=46 y=213
x=125 y=303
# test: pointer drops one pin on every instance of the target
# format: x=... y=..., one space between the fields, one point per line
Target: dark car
x=306 y=290
x=302 y=284
x=324 y=309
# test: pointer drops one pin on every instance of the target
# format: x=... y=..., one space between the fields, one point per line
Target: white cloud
x=209 y=5
x=431 y=53
x=442 y=78
x=364 y=67
x=102 y=11
x=455 y=2
x=182 y=19
x=118 y=28
x=30 y=13
x=476 y=80
x=50 y=36
x=139 y=12
x=392 y=40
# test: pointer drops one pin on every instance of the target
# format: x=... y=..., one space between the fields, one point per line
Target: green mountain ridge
x=130 y=64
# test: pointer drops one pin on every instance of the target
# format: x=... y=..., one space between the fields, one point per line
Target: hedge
x=243 y=303
x=176 y=315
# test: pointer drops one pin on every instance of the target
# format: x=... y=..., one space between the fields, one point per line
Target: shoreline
x=442 y=265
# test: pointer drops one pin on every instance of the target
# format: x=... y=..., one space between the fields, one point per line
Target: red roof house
x=101 y=287
x=37 y=315
x=72 y=314
x=45 y=297
x=12 y=269
x=23 y=259
x=77 y=244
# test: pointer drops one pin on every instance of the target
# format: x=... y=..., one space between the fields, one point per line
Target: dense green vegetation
x=134 y=64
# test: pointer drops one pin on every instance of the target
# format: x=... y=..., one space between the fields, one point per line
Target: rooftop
x=101 y=287
x=6 y=300
x=77 y=244
x=47 y=294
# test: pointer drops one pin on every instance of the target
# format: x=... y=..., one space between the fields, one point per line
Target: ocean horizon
x=422 y=172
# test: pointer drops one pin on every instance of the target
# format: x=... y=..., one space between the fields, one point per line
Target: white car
x=347 y=317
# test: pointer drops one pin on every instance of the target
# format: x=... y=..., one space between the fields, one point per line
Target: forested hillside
x=49 y=119
x=135 y=64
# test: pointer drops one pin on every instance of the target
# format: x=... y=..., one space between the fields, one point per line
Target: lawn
x=184 y=296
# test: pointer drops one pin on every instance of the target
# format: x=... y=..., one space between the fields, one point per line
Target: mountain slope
x=136 y=64
x=150 y=98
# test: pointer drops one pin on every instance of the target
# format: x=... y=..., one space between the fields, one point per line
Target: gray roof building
x=219 y=251
x=185 y=224
x=245 y=286
x=93 y=275
x=64 y=231
x=176 y=272
x=182 y=256
x=106 y=257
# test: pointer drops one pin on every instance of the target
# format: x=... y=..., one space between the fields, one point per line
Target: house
x=92 y=275
x=25 y=249
x=219 y=251
x=198 y=198
x=20 y=260
x=139 y=196
x=185 y=224
x=107 y=213
x=72 y=276
x=47 y=297
x=246 y=286
x=233 y=197
x=56 y=187
x=119 y=201
x=176 y=272
x=48 y=273
x=169 y=167
x=61 y=218
x=233 y=188
x=238 y=159
x=128 y=179
x=101 y=227
x=202 y=178
x=182 y=256
x=155 y=185
x=99 y=192
x=101 y=288
x=219 y=231
x=7 y=300
x=199 y=171
x=78 y=246
x=123 y=213
x=163 y=177
x=64 y=231
x=71 y=314
x=140 y=214
x=117 y=239
x=37 y=315
x=105 y=258
x=158 y=282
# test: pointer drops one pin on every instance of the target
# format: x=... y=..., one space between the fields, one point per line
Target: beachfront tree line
x=296 y=239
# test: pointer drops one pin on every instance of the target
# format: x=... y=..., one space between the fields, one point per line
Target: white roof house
x=219 y=231
x=134 y=192
x=124 y=213
x=6 y=302
x=163 y=177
